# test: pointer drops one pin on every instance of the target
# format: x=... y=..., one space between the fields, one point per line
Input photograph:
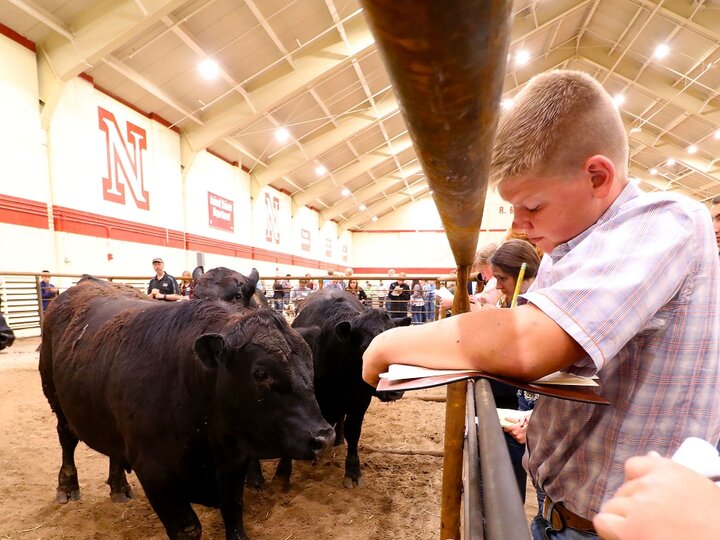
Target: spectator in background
x=715 y=213
x=371 y=294
x=278 y=294
x=48 y=291
x=417 y=303
x=355 y=289
x=429 y=287
x=163 y=286
x=398 y=297
x=299 y=293
x=187 y=287
x=310 y=283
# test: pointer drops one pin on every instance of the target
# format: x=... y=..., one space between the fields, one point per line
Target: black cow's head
x=224 y=284
x=264 y=387
x=7 y=337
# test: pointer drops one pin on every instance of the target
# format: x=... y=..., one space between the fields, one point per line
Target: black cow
x=339 y=328
x=7 y=337
x=224 y=284
x=180 y=392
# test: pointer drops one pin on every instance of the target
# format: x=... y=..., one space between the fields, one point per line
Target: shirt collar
x=629 y=192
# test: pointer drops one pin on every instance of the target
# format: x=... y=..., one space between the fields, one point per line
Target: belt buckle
x=554 y=516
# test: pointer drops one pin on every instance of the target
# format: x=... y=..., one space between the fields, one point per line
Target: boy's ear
x=602 y=175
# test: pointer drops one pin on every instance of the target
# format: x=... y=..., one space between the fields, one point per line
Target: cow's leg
x=283 y=472
x=120 y=490
x=353 y=426
x=255 y=478
x=68 y=488
x=339 y=431
x=175 y=513
x=230 y=490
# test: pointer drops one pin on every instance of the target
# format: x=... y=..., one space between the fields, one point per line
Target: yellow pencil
x=521 y=276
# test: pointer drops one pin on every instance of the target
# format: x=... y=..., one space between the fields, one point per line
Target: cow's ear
x=209 y=349
x=248 y=288
x=343 y=330
x=199 y=271
x=405 y=321
x=309 y=334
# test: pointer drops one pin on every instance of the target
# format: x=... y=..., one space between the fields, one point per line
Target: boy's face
x=551 y=210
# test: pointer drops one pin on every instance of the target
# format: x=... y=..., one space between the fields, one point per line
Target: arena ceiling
x=302 y=100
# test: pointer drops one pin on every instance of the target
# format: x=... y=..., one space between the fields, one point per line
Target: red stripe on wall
x=19 y=211
x=25 y=212
x=17 y=38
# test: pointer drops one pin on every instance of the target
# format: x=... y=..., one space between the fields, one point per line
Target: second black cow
x=338 y=328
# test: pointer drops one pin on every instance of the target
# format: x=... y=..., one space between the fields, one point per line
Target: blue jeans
x=540 y=530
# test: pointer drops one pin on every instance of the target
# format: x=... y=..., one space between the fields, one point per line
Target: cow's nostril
x=320 y=443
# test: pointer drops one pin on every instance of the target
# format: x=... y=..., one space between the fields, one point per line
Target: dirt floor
x=400 y=498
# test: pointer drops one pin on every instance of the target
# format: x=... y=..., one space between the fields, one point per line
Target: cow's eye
x=238 y=296
x=261 y=375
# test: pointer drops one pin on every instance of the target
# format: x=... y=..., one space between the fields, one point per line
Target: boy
x=627 y=290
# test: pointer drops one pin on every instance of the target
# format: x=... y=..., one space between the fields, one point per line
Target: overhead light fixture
x=670 y=162
x=320 y=170
x=692 y=149
x=717 y=134
x=282 y=134
x=362 y=207
x=522 y=57
x=345 y=192
x=661 y=51
x=209 y=69
x=373 y=219
x=618 y=99
x=653 y=171
x=507 y=103
x=636 y=130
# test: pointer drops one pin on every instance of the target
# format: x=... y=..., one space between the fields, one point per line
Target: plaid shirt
x=639 y=292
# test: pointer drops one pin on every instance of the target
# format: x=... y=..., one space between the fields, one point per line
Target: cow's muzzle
x=320 y=443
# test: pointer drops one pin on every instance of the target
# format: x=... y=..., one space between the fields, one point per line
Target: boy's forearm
x=522 y=343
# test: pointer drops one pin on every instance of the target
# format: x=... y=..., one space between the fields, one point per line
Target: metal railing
x=492 y=507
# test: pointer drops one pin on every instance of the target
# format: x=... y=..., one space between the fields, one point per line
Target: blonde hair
x=557 y=121
x=482 y=255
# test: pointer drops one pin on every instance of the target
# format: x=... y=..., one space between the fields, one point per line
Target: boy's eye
x=535 y=209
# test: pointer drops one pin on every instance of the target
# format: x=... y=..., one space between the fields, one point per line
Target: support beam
x=101 y=32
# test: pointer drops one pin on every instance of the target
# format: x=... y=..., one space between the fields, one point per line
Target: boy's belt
x=560 y=517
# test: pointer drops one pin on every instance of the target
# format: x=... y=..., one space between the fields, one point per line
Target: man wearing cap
x=163 y=286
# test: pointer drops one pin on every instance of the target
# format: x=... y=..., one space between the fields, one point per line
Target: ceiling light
x=636 y=130
x=282 y=134
x=209 y=69
x=373 y=219
x=661 y=51
x=653 y=171
x=618 y=99
x=507 y=104
x=670 y=162
x=717 y=134
x=345 y=192
x=362 y=207
x=320 y=170
x=692 y=149
x=522 y=57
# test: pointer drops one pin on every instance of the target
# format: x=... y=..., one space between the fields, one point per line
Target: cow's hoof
x=62 y=496
x=284 y=482
x=122 y=496
x=351 y=483
x=258 y=484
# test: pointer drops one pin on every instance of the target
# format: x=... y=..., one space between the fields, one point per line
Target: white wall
x=412 y=238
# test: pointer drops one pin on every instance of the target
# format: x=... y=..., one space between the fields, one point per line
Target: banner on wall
x=221 y=214
x=328 y=247
x=344 y=253
x=305 y=242
x=272 y=210
x=124 y=158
